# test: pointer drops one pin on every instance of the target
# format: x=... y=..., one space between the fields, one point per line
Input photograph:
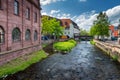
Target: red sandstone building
x=19 y=28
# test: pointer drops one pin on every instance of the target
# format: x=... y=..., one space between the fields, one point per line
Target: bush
x=72 y=41
x=64 y=46
x=92 y=42
x=115 y=58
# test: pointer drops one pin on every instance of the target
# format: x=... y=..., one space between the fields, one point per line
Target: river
x=84 y=62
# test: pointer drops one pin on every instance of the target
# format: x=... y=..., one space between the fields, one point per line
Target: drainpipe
x=22 y=25
x=7 y=25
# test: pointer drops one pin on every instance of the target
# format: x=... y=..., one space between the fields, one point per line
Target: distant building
x=19 y=28
x=113 y=31
x=71 y=28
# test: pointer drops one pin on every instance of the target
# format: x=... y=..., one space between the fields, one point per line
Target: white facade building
x=71 y=28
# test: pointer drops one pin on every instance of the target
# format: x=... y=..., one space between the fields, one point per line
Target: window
x=66 y=23
x=16 y=35
x=35 y=35
x=35 y=17
x=0 y=4
x=16 y=7
x=27 y=35
x=28 y=13
x=1 y=35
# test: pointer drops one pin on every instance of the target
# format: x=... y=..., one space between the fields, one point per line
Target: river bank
x=110 y=49
x=84 y=62
x=21 y=63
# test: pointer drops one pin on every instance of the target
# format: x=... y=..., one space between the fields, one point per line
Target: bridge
x=83 y=37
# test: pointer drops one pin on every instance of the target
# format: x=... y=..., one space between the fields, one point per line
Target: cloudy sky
x=83 y=12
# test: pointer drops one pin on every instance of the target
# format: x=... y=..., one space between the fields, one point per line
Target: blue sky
x=83 y=12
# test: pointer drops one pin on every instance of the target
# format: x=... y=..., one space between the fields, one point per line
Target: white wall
x=70 y=32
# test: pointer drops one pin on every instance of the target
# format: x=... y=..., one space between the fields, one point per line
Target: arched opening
x=1 y=35
x=16 y=34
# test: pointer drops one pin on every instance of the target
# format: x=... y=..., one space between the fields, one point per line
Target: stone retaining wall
x=110 y=49
x=13 y=54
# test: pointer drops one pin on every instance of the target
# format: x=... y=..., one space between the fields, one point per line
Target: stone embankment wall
x=13 y=54
x=111 y=49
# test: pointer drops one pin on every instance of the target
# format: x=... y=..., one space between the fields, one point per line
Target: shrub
x=92 y=42
x=72 y=41
x=64 y=46
x=115 y=58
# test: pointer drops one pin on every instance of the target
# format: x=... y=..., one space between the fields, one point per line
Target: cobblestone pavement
x=84 y=62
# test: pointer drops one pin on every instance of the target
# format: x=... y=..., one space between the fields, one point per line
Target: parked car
x=114 y=38
x=44 y=38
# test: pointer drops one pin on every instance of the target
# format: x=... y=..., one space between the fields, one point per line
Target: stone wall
x=13 y=54
x=110 y=49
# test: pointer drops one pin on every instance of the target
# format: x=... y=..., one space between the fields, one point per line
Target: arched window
x=1 y=35
x=35 y=35
x=27 y=34
x=16 y=35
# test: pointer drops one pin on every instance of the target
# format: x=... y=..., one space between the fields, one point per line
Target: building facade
x=113 y=32
x=71 y=28
x=19 y=28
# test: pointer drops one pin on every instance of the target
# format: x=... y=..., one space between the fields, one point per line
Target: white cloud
x=45 y=2
x=44 y=13
x=82 y=0
x=54 y=11
x=85 y=20
x=114 y=15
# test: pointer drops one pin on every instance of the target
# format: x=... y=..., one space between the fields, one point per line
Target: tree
x=84 y=32
x=51 y=26
x=100 y=26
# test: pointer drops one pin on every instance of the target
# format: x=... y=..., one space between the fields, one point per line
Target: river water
x=84 y=62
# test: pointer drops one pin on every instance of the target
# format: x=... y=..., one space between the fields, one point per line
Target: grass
x=92 y=42
x=115 y=58
x=21 y=63
x=64 y=46
x=44 y=45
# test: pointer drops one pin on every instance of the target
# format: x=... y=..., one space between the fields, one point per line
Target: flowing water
x=84 y=62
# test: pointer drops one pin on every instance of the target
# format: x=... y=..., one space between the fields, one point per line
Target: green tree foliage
x=84 y=32
x=100 y=26
x=51 y=26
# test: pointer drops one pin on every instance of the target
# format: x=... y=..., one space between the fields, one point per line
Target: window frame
x=35 y=16
x=16 y=7
x=27 y=37
x=0 y=4
x=2 y=35
x=35 y=35
x=28 y=13
x=16 y=37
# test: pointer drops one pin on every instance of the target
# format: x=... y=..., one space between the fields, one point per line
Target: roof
x=36 y=3
x=65 y=23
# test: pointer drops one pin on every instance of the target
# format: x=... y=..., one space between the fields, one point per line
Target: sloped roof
x=65 y=22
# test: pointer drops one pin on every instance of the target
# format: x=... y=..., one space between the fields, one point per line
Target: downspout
x=22 y=25
x=40 y=28
x=7 y=26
